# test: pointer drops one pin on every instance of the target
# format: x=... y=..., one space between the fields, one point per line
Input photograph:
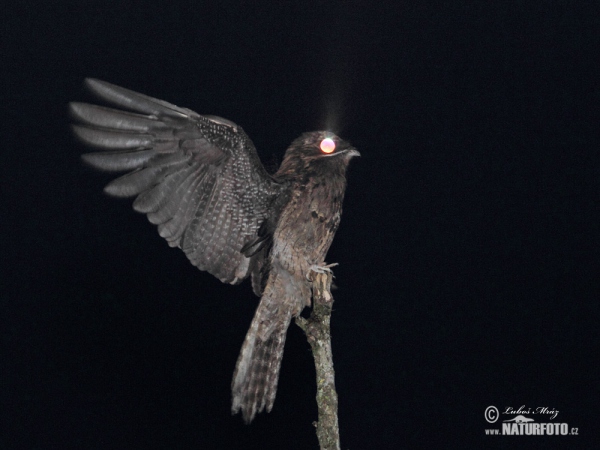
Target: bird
x=199 y=179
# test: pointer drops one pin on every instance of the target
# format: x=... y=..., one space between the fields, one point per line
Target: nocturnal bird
x=200 y=180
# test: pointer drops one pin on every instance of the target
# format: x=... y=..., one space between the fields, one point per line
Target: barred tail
x=256 y=373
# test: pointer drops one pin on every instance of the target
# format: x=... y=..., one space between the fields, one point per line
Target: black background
x=468 y=250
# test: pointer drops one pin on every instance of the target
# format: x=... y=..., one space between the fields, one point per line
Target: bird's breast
x=307 y=225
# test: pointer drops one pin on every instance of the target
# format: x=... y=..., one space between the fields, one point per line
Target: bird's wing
x=197 y=177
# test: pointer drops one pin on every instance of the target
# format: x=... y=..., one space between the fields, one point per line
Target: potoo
x=199 y=179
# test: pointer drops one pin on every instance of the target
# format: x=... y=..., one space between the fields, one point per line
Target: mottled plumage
x=199 y=178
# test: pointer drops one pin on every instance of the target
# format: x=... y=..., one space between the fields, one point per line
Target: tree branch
x=318 y=334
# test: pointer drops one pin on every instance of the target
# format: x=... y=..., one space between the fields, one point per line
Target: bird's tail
x=256 y=373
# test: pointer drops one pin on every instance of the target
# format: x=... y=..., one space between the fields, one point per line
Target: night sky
x=469 y=247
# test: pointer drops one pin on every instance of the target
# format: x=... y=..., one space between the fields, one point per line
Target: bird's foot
x=321 y=268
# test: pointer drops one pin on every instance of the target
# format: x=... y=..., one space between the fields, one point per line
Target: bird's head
x=320 y=151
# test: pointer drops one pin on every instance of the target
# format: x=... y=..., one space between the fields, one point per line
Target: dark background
x=469 y=249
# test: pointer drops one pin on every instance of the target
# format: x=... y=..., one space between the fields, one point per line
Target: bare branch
x=318 y=333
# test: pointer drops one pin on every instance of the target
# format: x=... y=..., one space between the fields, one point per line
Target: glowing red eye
x=327 y=145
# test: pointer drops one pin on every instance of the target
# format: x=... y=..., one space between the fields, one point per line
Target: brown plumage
x=200 y=180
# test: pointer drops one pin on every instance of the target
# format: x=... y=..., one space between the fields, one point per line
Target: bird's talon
x=321 y=268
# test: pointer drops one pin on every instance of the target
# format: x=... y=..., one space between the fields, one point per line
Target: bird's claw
x=321 y=268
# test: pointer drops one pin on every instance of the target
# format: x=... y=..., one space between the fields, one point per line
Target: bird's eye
x=327 y=145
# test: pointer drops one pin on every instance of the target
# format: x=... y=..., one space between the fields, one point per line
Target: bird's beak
x=347 y=154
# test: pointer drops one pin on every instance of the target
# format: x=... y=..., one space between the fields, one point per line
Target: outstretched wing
x=197 y=177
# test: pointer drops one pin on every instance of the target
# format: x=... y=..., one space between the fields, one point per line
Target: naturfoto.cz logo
x=517 y=423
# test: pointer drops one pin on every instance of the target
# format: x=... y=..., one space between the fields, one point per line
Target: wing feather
x=118 y=161
x=173 y=229
x=153 y=199
x=110 y=139
x=103 y=117
x=197 y=177
x=135 y=101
